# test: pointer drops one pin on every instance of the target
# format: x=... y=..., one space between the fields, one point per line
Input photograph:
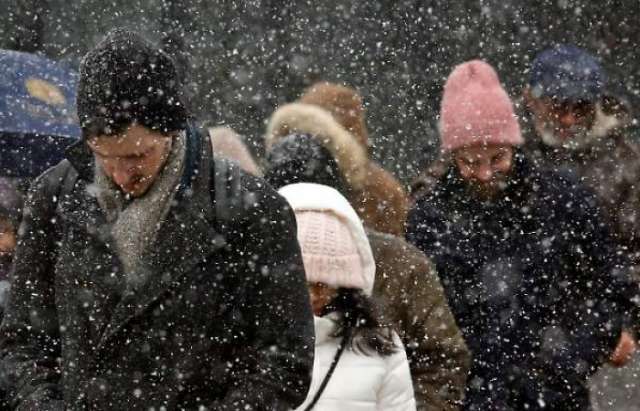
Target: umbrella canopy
x=37 y=113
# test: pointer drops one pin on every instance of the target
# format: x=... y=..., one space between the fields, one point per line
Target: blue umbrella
x=37 y=113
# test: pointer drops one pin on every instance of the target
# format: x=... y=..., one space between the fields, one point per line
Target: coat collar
x=186 y=237
x=325 y=327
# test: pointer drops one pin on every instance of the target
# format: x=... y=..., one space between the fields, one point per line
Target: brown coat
x=417 y=307
x=382 y=202
x=375 y=194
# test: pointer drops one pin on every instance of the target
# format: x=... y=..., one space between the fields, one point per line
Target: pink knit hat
x=476 y=110
x=335 y=247
x=328 y=249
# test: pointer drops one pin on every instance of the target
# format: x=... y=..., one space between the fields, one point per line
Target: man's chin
x=486 y=193
x=135 y=191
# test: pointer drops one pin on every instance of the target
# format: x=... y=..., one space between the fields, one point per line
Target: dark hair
x=360 y=324
x=301 y=158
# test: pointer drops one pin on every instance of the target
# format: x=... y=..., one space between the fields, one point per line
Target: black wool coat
x=224 y=322
x=534 y=281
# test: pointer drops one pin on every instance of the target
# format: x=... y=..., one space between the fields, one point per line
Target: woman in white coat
x=359 y=364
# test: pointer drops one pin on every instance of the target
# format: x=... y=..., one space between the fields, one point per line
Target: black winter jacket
x=534 y=282
x=225 y=323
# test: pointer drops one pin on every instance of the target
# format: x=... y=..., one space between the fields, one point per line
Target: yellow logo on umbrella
x=45 y=91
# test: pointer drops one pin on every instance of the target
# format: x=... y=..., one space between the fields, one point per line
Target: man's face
x=485 y=168
x=132 y=159
x=563 y=123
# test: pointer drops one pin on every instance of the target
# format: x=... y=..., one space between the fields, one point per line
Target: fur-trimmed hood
x=351 y=156
x=345 y=105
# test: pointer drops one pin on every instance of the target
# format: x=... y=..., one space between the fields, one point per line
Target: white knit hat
x=335 y=248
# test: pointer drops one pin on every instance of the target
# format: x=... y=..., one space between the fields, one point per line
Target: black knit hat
x=300 y=158
x=127 y=79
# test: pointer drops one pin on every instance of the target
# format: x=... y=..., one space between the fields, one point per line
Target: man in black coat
x=531 y=272
x=149 y=275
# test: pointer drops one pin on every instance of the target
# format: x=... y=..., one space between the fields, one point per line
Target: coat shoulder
x=390 y=248
x=435 y=204
x=46 y=188
x=382 y=201
x=255 y=214
x=52 y=178
x=247 y=196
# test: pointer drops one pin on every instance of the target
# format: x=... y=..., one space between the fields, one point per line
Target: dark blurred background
x=240 y=59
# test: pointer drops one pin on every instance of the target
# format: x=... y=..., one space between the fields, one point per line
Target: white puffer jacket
x=360 y=382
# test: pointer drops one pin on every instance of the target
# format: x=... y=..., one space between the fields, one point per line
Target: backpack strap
x=225 y=189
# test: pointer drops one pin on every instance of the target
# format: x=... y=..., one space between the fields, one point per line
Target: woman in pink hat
x=360 y=365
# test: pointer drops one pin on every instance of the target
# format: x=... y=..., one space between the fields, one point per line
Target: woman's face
x=321 y=295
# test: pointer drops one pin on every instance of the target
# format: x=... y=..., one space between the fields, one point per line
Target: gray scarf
x=134 y=224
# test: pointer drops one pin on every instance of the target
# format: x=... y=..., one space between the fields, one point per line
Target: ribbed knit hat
x=126 y=79
x=476 y=110
x=335 y=248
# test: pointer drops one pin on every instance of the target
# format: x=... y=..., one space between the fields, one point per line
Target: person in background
x=379 y=199
x=10 y=213
x=149 y=275
x=529 y=267
x=359 y=363
x=576 y=124
x=228 y=144
x=417 y=308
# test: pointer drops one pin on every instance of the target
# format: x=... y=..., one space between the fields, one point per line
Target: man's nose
x=567 y=119
x=123 y=175
x=484 y=173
